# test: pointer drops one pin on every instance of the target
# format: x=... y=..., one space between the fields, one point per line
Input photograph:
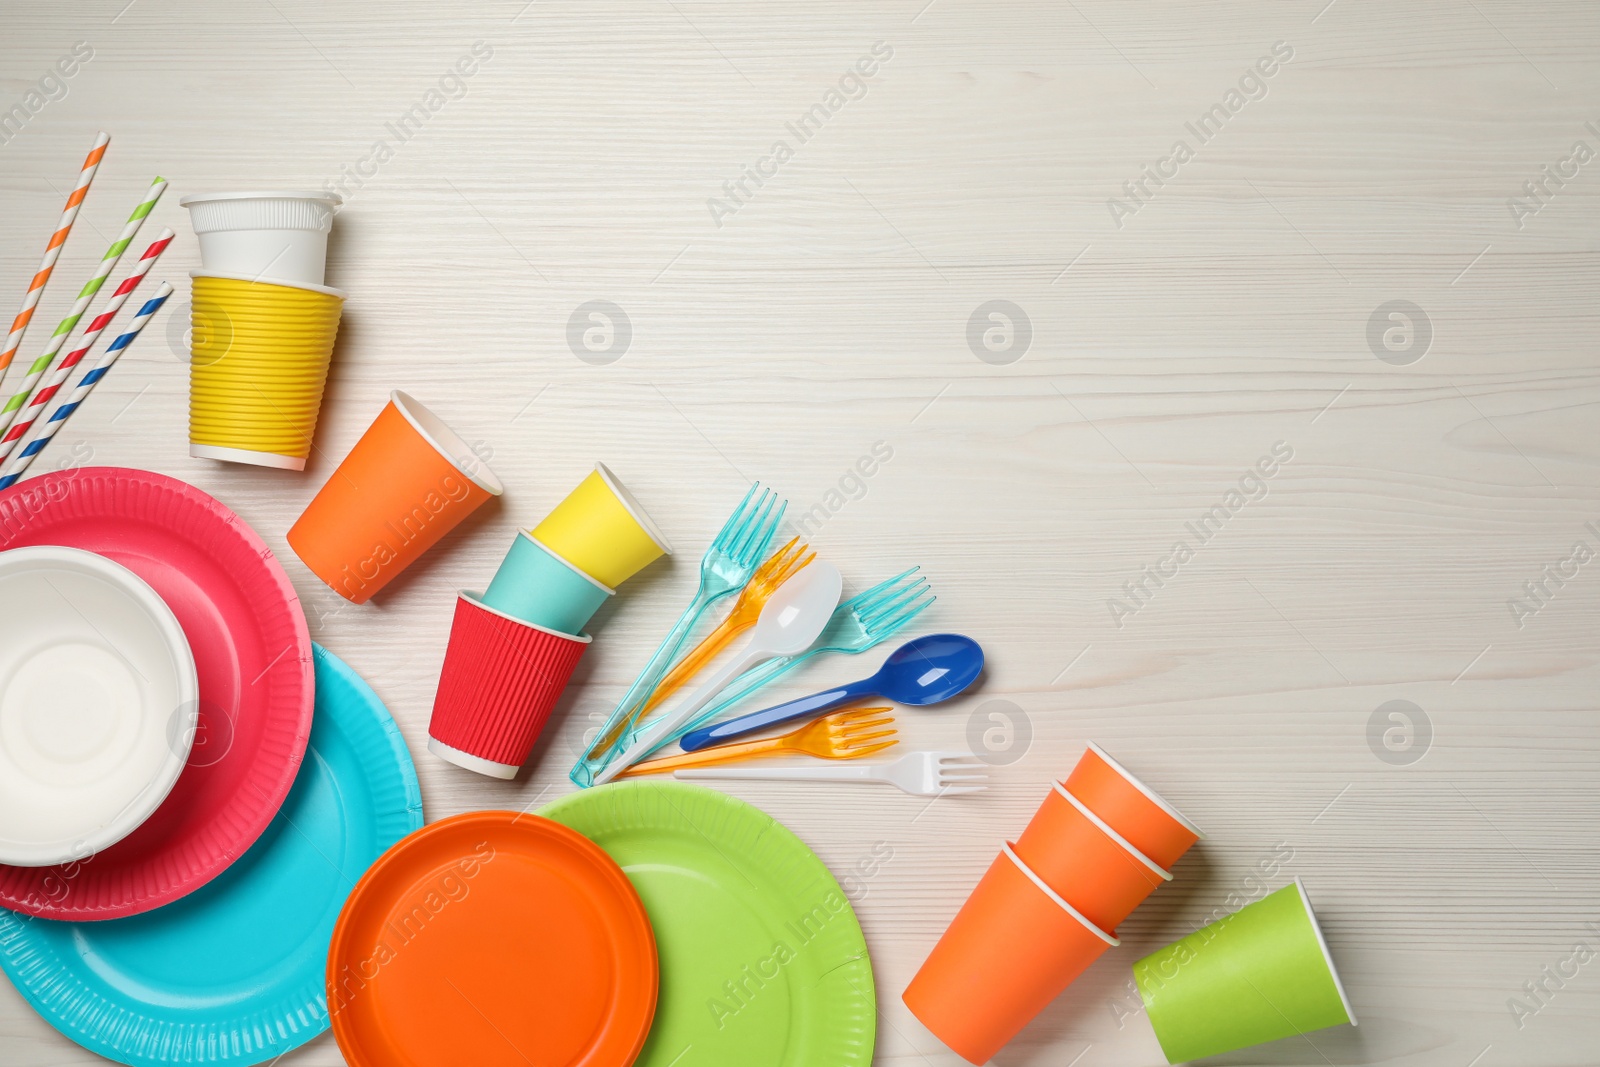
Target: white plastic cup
x=272 y=237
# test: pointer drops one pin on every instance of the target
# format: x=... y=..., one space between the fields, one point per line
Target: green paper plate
x=762 y=959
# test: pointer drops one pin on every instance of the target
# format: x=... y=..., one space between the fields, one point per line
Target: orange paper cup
x=406 y=483
x=1011 y=949
x=1089 y=864
x=1132 y=808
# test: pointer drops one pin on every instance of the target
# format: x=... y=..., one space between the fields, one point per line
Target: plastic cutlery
x=791 y=620
x=923 y=774
x=728 y=564
x=863 y=622
x=843 y=735
x=926 y=671
x=743 y=615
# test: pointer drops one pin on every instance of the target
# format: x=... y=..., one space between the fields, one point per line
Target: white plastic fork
x=922 y=774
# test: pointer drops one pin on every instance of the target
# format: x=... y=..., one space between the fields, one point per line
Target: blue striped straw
x=58 y=418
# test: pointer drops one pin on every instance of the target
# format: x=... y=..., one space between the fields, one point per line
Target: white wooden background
x=830 y=312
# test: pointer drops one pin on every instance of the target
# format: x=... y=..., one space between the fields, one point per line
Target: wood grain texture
x=830 y=312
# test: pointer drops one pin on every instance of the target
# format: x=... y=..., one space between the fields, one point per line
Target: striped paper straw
x=108 y=263
x=63 y=371
x=59 y=416
x=52 y=251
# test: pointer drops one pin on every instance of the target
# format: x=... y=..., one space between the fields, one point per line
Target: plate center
x=69 y=700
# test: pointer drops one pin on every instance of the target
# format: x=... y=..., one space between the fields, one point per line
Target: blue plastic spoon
x=928 y=670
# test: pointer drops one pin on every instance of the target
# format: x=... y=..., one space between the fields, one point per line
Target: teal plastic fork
x=730 y=562
x=864 y=621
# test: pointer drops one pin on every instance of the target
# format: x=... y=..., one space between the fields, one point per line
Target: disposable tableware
x=1086 y=861
x=743 y=615
x=20 y=462
x=408 y=481
x=923 y=774
x=791 y=620
x=58 y=377
x=1011 y=949
x=863 y=622
x=52 y=250
x=602 y=530
x=1257 y=975
x=762 y=959
x=495 y=939
x=103 y=270
x=843 y=735
x=234 y=973
x=929 y=670
x=252 y=655
x=1133 y=809
x=98 y=701
x=728 y=564
x=274 y=236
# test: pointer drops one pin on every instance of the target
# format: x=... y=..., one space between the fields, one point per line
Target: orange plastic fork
x=779 y=568
x=848 y=734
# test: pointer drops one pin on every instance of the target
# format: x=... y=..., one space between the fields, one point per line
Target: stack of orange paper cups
x=1049 y=905
x=263 y=325
x=513 y=648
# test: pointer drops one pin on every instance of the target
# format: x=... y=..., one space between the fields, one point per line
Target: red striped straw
x=52 y=251
x=36 y=404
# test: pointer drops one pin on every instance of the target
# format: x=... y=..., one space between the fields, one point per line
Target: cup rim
x=326 y=290
x=438 y=434
x=1010 y=853
x=476 y=600
x=634 y=508
x=1327 y=956
x=331 y=199
x=1106 y=828
x=1155 y=797
x=559 y=558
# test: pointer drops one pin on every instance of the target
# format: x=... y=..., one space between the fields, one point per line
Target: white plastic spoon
x=792 y=619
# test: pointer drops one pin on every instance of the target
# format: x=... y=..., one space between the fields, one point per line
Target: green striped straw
x=8 y=414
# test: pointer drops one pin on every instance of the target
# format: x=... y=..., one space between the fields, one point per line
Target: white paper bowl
x=98 y=704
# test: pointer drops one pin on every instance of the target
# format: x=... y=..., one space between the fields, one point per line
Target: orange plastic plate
x=493 y=938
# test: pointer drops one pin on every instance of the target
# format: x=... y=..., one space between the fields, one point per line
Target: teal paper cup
x=1260 y=974
x=539 y=587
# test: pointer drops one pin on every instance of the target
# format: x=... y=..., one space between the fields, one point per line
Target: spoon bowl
x=931 y=669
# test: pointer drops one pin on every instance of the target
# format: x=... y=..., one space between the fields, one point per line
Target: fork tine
x=751 y=520
x=886 y=628
x=862 y=753
x=848 y=729
x=963 y=777
x=857 y=740
x=896 y=600
x=735 y=521
x=869 y=598
x=759 y=535
x=956 y=792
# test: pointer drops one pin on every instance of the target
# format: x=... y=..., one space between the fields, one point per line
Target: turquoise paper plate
x=233 y=972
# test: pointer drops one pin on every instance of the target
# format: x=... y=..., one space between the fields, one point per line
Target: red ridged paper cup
x=500 y=681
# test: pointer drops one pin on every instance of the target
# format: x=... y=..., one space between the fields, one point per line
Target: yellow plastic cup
x=259 y=363
x=602 y=530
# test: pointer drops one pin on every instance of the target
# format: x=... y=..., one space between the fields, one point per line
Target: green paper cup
x=539 y=587
x=1260 y=974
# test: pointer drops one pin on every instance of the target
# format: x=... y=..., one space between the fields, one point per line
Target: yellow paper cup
x=259 y=362
x=602 y=530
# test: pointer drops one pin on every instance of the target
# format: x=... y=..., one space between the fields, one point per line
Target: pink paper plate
x=253 y=656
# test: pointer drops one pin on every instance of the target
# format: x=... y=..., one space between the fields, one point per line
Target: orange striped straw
x=52 y=251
